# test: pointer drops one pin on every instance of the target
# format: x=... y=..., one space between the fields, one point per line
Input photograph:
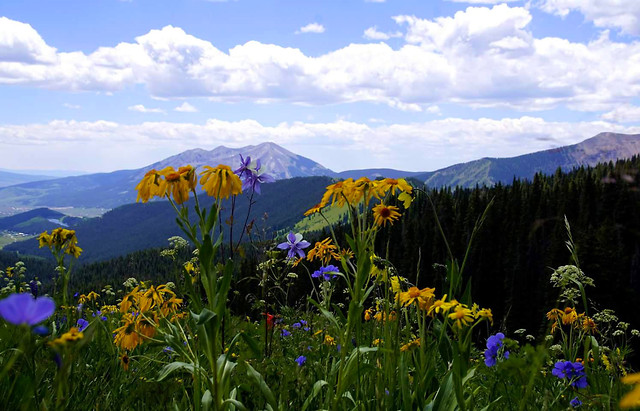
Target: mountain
x=110 y=190
x=373 y=173
x=36 y=221
x=138 y=226
x=602 y=148
x=9 y=178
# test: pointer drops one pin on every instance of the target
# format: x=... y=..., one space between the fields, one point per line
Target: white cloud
x=338 y=145
x=311 y=28
x=186 y=108
x=72 y=106
x=142 y=109
x=479 y=57
x=623 y=114
x=374 y=1
x=372 y=33
x=619 y=14
x=484 y=1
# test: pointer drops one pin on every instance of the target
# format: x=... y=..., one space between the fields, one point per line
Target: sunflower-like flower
x=392 y=185
x=441 y=306
x=126 y=336
x=414 y=294
x=339 y=192
x=410 y=345
x=632 y=398
x=315 y=209
x=220 y=182
x=484 y=313
x=72 y=335
x=364 y=188
x=127 y=300
x=461 y=316
x=324 y=251
x=383 y=213
x=124 y=361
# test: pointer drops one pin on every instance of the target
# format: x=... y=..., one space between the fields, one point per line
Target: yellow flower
x=45 y=240
x=569 y=316
x=440 y=306
x=72 y=335
x=329 y=340
x=9 y=271
x=363 y=187
x=145 y=326
x=383 y=213
x=74 y=250
x=220 y=182
x=414 y=293
x=632 y=398
x=410 y=344
x=124 y=361
x=461 y=315
x=149 y=186
x=485 y=313
x=82 y=299
x=338 y=192
x=589 y=326
x=367 y=314
x=554 y=314
x=395 y=284
x=93 y=296
x=177 y=186
x=377 y=342
x=128 y=299
x=324 y=251
x=315 y=209
x=378 y=268
x=392 y=185
x=126 y=336
x=406 y=199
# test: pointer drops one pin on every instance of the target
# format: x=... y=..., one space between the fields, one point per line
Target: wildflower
x=383 y=213
x=367 y=314
x=82 y=324
x=22 y=308
x=315 y=209
x=414 y=294
x=632 y=398
x=406 y=199
x=392 y=185
x=285 y=333
x=324 y=251
x=338 y=192
x=301 y=360
x=573 y=371
x=327 y=273
x=329 y=340
x=461 y=315
x=126 y=336
x=575 y=402
x=589 y=326
x=294 y=244
x=554 y=314
x=145 y=326
x=410 y=344
x=270 y=320
x=128 y=299
x=45 y=240
x=124 y=361
x=296 y=325
x=569 y=316
x=485 y=313
x=252 y=176
x=439 y=306
x=494 y=344
x=72 y=335
x=220 y=182
x=148 y=186
x=40 y=330
x=379 y=268
x=364 y=187
x=395 y=284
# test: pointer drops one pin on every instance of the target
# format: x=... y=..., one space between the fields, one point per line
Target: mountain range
x=110 y=190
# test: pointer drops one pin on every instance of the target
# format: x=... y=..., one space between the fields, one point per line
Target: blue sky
x=407 y=84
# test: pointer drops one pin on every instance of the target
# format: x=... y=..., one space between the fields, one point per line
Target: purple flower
x=251 y=176
x=294 y=244
x=285 y=333
x=244 y=171
x=307 y=328
x=24 y=309
x=573 y=371
x=82 y=324
x=303 y=322
x=494 y=343
x=575 y=402
x=301 y=360
x=40 y=330
x=326 y=273
x=296 y=325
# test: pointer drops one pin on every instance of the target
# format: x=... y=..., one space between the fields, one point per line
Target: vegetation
x=360 y=319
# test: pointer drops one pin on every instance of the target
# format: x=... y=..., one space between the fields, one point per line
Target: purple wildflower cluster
x=251 y=175
x=494 y=344
x=301 y=360
x=327 y=273
x=573 y=371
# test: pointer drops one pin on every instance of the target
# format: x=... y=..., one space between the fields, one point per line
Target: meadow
x=364 y=338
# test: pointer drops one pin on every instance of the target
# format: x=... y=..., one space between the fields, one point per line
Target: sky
x=416 y=85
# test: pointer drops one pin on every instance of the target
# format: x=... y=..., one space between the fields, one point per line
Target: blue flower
x=296 y=325
x=24 y=309
x=40 y=330
x=252 y=177
x=575 y=402
x=303 y=322
x=82 y=324
x=285 y=333
x=326 y=273
x=573 y=371
x=494 y=343
x=294 y=244
x=301 y=360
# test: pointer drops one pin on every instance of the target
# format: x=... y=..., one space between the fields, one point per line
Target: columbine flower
x=301 y=360
x=327 y=273
x=24 y=309
x=573 y=371
x=494 y=343
x=254 y=177
x=295 y=244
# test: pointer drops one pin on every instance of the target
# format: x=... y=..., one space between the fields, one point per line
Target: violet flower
x=294 y=244
x=82 y=324
x=22 y=308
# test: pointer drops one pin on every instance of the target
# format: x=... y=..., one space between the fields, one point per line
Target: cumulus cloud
x=479 y=57
x=434 y=144
x=619 y=14
x=311 y=28
x=372 y=33
x=623 y=114
x=186 y=108
x=142 y=109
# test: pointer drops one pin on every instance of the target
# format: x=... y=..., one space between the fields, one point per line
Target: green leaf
x=317 y=387
x=262 y=385
x=252 y=343
x=174 y=366
x=207 y=400
x=204 y=317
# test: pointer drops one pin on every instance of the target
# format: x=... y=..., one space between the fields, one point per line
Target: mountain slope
x=604 y=147
x=109 y=190
x=9 y=178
